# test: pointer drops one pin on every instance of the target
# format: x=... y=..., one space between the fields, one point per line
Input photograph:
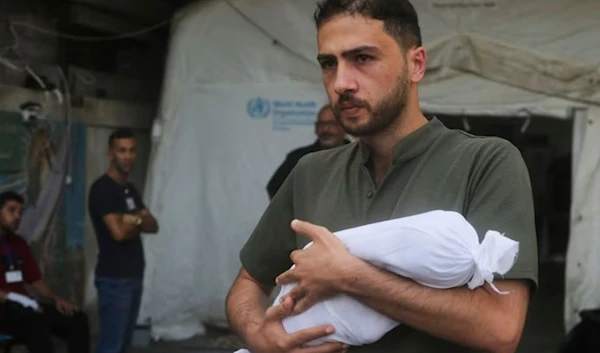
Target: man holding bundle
x=372 y=60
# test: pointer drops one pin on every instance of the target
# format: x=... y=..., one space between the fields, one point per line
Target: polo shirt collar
x=413 y=144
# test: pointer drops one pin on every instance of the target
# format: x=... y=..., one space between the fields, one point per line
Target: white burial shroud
x=438 y=249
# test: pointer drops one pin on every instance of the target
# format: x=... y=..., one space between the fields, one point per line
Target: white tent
x=242 y=87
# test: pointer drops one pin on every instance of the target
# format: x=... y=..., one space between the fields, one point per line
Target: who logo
x=258 y=108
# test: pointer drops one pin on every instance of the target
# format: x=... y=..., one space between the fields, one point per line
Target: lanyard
x=7 y=252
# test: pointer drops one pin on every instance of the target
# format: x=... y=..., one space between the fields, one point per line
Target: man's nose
x=326 y=128
x=345 y=80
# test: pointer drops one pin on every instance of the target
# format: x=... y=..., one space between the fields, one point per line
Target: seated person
x=21 y=316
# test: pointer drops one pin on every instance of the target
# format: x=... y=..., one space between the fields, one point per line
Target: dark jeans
x=35 y=329
x=118 y=307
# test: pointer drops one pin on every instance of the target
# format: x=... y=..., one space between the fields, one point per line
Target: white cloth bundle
x=438 y=249
x=25 y=301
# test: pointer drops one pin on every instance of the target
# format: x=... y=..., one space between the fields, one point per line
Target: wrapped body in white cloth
x=438 y=249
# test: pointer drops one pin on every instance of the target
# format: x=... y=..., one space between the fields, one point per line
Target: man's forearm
x=473 y=318
x=246 y=305
x=43 y=290
x=129 y=230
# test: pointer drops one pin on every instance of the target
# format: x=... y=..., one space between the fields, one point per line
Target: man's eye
x=362 y=58
x=327 y=64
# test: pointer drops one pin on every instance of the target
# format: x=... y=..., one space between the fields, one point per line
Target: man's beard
x=121 y=168
x=381 y=116
x=329 y=141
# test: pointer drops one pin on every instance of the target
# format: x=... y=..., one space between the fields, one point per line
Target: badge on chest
x=13 y=276
x=130 y=203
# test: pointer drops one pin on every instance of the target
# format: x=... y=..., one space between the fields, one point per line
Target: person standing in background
x=119 y=215
x=330 y=134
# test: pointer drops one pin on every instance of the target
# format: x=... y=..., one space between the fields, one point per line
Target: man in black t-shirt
x=119 y=215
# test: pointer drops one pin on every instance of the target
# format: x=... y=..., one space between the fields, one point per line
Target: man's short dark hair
x=10 y=196
x=399 y=17
x=124 y=133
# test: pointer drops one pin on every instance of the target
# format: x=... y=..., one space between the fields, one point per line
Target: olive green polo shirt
x=434 y=168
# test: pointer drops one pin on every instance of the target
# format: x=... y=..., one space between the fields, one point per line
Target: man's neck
x=383 y=145
x=117 y=176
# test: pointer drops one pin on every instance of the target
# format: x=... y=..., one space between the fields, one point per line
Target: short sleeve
x=31 y=271
x=266 y=254
x=103 y=201
x=501 y=199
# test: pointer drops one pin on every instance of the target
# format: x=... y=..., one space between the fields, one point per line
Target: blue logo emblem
x=258 y=108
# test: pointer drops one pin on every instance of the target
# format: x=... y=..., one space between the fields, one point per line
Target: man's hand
x=148 y=222
x=318 y=268
x=271 y=337
x=65 y=308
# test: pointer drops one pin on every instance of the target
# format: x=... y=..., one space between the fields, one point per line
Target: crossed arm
x=149 y=223
x=124 y=226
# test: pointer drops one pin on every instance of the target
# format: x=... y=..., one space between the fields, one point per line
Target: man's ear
x=417 y=59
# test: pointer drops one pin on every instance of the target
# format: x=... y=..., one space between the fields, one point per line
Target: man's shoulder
x=100 y=181
x=16 y=239
x=102 y=184
x=476 y=157
x=131 y=186
x=481 y=148
x=301 y=151
x=329 y=158
x=101 y=194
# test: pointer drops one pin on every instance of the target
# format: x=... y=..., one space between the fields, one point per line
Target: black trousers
x=35 y=329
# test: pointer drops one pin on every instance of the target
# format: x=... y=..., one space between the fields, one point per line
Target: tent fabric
x=209 y=195
x=235 y=60
x=583 y=260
